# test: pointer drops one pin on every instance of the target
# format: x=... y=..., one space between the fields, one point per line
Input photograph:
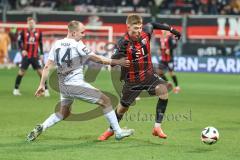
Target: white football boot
x=16 y=92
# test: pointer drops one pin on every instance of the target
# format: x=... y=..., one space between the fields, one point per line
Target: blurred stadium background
x=210 y=44
x=210 y=28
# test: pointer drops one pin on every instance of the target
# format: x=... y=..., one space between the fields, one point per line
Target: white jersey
x=69 y=56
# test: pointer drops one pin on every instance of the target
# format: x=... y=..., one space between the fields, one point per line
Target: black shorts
x=166 y=66
x=132 y=90
x=33 y=61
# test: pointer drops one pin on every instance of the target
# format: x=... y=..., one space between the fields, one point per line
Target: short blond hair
x=134 y=19
x=73 y=25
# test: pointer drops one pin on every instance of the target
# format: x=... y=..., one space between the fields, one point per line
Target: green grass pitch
x=205 y=100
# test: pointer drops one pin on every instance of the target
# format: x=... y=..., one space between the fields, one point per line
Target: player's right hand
x=24 y=53
x=124 y=62
x=40 y=91
x=176 y=33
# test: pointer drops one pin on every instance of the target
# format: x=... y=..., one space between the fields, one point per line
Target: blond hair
x=73 y=26
x=134 y=19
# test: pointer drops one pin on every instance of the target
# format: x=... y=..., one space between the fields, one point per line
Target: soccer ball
x=209 y=135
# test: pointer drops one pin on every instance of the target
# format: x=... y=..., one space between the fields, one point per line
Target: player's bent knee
x=65 y=111
x=100 y=101
x=162 y=91
x=104 y=100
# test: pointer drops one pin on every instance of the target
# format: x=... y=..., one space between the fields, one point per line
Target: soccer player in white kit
x=69 y=55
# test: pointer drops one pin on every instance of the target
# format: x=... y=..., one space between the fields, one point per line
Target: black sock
x=46 y=86
x=164 y=77
x=160 y=109
x=18 y=81
x=119 y=117
x=174 y=77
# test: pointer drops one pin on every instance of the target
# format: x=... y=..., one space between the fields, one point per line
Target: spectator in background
x=235 y=7
x=22 y=3
x=118 y=2
x=221 y=5
x=136 y=4
x=164 y=6
x=213 y=7
x=203 y=7
x=108 y=3
x=64 y=5
x=153 y=6
x=12 y=3
x=5 y=43
x=225 y=7
x=14 y=47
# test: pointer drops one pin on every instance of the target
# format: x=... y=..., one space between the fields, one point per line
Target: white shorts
x=84 y=91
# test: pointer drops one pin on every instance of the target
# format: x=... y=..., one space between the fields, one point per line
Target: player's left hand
x=124 y=62
x=176 y=33
x=40 y=91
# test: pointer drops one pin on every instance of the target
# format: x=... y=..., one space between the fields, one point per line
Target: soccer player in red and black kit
x=30 y=44
x=167 y=45
x=135 y=46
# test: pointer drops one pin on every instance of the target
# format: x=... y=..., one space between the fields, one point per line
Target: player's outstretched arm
x=103 y=60
x=44 y=77
x=165 y=27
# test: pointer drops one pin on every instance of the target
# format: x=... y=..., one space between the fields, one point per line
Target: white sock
x=157 y=125
x=112 y=119
x=51 y=120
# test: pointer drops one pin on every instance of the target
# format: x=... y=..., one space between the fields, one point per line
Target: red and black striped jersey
x=139 y=55
x=31 y=41
x=138 y=52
